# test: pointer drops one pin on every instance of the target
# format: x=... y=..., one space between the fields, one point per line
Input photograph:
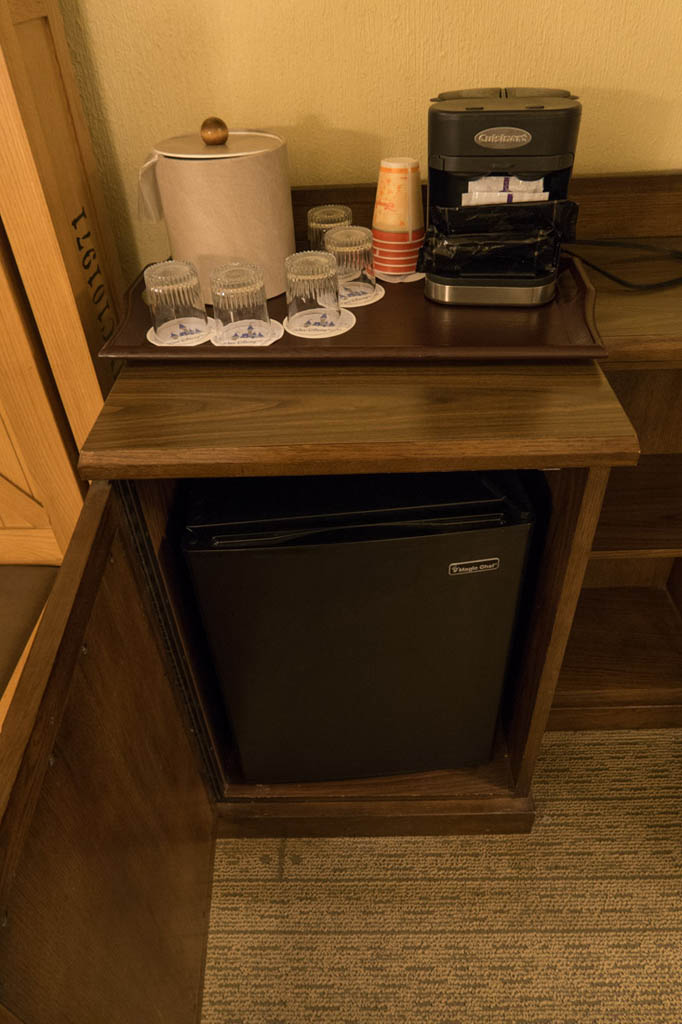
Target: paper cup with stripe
x=398 y=221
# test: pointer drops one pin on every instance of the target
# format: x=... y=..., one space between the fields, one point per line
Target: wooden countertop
x=164 y=420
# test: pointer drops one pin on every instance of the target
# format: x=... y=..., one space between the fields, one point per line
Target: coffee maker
x=500 y=161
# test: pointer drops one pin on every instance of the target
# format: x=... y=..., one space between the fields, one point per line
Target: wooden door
x=52 y=207
x=41 y=495
x=106 y=831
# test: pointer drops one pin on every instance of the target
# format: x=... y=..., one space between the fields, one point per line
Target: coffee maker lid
x=509 y=99
x=193 y=147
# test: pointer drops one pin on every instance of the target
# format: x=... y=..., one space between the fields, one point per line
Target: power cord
x=612 y=243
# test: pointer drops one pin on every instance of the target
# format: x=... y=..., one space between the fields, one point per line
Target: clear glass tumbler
x=312 y=292
x=352 y=247
x=174 y=299
x=322 y=218
x=240 y=307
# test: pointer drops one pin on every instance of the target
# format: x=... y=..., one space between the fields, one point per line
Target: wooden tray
x=404 y=326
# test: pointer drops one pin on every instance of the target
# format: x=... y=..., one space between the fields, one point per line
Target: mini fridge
x=359 y=625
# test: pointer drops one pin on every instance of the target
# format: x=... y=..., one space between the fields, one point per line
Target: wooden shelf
x=171 y=420
x=623 y=663
x=642 y=511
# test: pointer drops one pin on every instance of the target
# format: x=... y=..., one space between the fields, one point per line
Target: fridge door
x=364 y=653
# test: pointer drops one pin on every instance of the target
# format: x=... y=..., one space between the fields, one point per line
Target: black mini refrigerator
x=359 y=625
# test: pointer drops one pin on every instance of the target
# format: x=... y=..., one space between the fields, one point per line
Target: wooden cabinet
x=59 y=286
x=106 y=833
x=623 y=666
x=166 y=422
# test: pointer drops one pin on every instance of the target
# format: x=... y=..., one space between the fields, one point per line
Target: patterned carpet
x=578 y=923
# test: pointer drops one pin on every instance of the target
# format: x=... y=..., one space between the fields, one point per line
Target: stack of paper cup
x=398 y=223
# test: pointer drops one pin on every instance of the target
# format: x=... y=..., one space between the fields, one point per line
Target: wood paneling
x=106 y=841
x=643 y=508
x=576 y=500
x=632 y=205
x=651 y=398
x=675 y=584
x=10 y=689
x=623 y=665
x=29 y=547
x=172 y=421
x=20 y=510
x=626 y=649
x=627 y=572
x=10 y=463
x=8 y=1018
x=79 y=573
x=23 y=592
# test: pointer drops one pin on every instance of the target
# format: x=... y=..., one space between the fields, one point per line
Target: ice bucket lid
x=193 y=147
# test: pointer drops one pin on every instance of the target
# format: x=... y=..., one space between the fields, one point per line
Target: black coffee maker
x=499 y=165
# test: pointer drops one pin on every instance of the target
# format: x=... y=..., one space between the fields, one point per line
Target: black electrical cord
x=612 y=243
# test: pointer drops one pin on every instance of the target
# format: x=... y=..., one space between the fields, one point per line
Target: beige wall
x=348 y=81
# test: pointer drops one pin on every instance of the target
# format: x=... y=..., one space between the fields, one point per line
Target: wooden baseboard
x=375 y=818
x=664 y=716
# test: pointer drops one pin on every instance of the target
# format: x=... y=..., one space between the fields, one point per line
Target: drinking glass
x=240 y=307
x=312 y=292
x=352 y=247
x=322 y=218
x=174 y=299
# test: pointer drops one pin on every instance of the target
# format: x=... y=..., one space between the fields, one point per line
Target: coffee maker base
x=465 y=293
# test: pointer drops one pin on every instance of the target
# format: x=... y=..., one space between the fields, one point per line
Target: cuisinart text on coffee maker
x=499 y=165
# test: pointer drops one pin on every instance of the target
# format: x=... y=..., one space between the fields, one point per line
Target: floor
x=579 y=922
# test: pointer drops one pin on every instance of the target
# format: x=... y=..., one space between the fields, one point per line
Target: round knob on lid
x=214 y=131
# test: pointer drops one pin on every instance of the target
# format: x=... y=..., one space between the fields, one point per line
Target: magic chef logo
x=503 y=138
x=476 y=565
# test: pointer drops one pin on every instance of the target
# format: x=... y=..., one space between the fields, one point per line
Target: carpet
x=578 y=922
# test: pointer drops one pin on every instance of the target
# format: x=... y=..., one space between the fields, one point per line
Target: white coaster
x=399 y=278
x=320 y=323
x=355 y=295
x=247 y=335
x=187 y=335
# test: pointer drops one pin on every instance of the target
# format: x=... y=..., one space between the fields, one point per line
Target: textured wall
x=348 y=82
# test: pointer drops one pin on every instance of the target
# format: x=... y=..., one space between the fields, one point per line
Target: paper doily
x=314 y=324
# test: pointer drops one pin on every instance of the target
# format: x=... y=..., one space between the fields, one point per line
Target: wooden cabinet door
x=107 y=830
